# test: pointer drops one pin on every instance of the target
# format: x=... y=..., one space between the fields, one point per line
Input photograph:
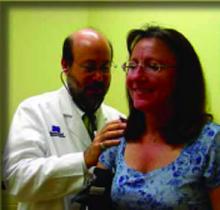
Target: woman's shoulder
x=111 y=155
x=208 y=139
x=212 y=125
x=210 y=131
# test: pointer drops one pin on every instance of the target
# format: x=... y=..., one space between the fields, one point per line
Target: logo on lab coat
x=56 y=131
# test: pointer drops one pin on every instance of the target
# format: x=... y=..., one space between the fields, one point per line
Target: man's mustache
x=96 y=85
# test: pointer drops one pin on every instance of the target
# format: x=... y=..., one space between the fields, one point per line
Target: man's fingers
x=107 y=137
x=111 y=135
x=108 y=143
x=115 y=125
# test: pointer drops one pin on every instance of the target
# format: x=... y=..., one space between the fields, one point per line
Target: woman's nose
x=139 y=72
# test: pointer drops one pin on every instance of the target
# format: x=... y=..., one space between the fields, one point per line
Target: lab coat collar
x=71 y=110
x=69 y=106
x=66 y=102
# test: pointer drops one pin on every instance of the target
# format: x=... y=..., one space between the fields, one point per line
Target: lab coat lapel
x=78 y=130
x=101 y=118
x=73 y=120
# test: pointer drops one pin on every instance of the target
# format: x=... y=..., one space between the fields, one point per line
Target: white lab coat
x=43 y=159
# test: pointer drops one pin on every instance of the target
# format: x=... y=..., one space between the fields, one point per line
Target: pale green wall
x=36 y=35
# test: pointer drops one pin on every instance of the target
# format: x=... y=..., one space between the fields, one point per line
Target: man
x=49 y=150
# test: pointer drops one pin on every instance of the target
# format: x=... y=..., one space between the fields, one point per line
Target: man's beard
x=88 y=104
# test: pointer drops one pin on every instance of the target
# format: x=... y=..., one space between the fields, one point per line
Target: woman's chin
x=143 y=106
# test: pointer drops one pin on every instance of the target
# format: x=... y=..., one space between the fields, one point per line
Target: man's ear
x=65 y=67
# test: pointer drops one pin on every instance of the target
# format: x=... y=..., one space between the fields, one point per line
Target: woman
x=169 y=157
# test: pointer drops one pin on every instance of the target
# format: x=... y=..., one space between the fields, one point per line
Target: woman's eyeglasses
x=153 y=66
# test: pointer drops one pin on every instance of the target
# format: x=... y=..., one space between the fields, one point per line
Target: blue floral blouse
x=181 y=185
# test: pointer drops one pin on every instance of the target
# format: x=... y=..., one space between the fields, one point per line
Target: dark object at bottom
x=96 y=196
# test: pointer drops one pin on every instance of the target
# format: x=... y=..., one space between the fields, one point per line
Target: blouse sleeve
x=212 y=171
x=108 y=157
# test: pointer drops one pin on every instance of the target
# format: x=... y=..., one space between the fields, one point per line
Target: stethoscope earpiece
x=62 y=80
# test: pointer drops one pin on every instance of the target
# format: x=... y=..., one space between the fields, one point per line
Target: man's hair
x=189 y=94
x=67 y=50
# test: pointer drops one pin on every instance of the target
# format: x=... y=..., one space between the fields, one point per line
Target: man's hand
x=107 y=137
